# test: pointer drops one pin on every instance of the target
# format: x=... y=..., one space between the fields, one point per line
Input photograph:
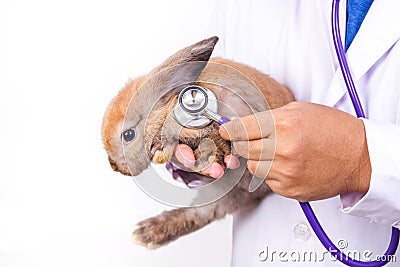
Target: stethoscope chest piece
x=192 y=102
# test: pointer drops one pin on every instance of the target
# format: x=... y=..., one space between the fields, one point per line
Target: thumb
x=233 y=130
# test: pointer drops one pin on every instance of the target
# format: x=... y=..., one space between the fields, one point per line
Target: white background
x=61 y=62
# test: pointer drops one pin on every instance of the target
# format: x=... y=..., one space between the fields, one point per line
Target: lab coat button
x=302 y=232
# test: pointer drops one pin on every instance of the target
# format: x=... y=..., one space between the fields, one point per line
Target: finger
x=251 y=127
x=259 y=169
x=231 y=161
x=261 y=149
x=185 y=155
x=215 y=170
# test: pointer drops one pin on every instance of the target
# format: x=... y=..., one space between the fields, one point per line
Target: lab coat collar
x=377 y=34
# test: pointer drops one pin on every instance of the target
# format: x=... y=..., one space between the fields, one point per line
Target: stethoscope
x=197 y=107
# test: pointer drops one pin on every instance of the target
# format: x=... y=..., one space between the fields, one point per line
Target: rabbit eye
x=128 y=135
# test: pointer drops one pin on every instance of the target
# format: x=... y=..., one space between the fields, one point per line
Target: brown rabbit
x=138 y=129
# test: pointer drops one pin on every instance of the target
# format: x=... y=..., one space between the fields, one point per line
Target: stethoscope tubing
x=306 y=207
x=343 y=62
x=337 y=253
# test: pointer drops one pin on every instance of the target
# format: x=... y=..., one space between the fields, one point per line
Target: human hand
x=311 y=151
x=185 y=155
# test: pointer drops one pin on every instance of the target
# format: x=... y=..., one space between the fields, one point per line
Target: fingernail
x=188 y=163
x=232 y=162
x=216 y=170
x=223 y=133
x=185 y=155
x=216 y=175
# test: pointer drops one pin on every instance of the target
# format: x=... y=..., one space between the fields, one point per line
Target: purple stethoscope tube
x=198 y=107
x=306 y=207
x=223 y=120
x=309 y=213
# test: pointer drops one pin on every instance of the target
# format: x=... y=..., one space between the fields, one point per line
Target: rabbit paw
x=158 y=231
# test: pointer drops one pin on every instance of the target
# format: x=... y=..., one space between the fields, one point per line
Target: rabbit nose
x=113 y=164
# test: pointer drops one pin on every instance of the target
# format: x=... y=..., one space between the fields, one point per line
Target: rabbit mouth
x=191 y=179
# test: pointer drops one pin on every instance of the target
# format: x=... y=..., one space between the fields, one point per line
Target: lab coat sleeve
x=381 y=204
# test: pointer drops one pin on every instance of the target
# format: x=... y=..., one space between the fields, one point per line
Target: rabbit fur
x=144 y=105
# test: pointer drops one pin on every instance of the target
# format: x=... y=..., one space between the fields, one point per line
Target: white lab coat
x=291 y=40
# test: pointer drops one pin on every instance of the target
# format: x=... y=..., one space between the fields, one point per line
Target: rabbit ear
x=176 y=72
x=184 y=66
x=198 y=52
